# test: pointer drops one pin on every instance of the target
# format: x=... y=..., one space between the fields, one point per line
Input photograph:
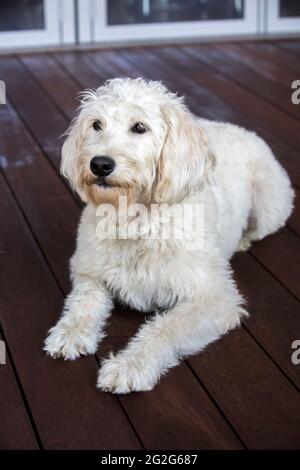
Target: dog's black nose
x=102 y=166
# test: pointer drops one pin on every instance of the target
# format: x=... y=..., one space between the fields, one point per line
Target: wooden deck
x=242 y=392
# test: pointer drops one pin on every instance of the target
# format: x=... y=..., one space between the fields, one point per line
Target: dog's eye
x=139 y=128
x=97 y=126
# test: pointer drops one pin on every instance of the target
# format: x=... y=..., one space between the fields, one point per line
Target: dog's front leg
x=163 y=341
x=80 y=327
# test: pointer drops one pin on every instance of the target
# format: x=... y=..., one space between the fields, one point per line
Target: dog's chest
x=138 y=275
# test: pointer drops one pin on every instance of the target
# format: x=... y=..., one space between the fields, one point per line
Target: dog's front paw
x=124 y=375
x=70 y=342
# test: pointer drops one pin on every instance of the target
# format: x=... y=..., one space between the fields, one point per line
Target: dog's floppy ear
x=70 y=153
x=186 y=157
x=71 y=149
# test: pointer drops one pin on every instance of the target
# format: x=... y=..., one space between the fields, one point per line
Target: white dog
x=134 y=138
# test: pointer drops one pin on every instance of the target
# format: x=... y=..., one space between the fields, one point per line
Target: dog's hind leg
x=272 y=197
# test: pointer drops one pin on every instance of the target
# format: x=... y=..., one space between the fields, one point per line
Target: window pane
x=289 y=8
x=159 y=11
x=20 y=15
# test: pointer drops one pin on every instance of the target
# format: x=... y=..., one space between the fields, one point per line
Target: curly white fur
x=248 y=197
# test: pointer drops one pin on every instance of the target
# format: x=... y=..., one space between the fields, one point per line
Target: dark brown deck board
x=272 y=62
x=16 y=431
x=292 y=47
x=29 y=107
x=53 y=79
x=80 y=68
x=274 y=429
x=263 y=78
x=272 y=53
x=248 y=374
x=262 y=113
x=274 y=312
x=280 y=253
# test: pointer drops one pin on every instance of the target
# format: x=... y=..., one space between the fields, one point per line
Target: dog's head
x=134 y=138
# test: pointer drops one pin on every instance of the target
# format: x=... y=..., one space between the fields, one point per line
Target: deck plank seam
x=22 y=392
x=271 y=358
x=263 y=265
x=214 y=401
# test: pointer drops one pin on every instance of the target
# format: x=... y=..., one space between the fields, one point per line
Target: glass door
x=113 y=20
x=283 y=16
x=25 y=23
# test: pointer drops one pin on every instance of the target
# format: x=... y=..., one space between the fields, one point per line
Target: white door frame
x=59 y=28
x=67 y=21
x=93 y=26
x=86 y=21
x=278 y=24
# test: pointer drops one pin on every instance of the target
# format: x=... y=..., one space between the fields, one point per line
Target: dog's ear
x=70 y=152
x=71 y=149
x=186 y=157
